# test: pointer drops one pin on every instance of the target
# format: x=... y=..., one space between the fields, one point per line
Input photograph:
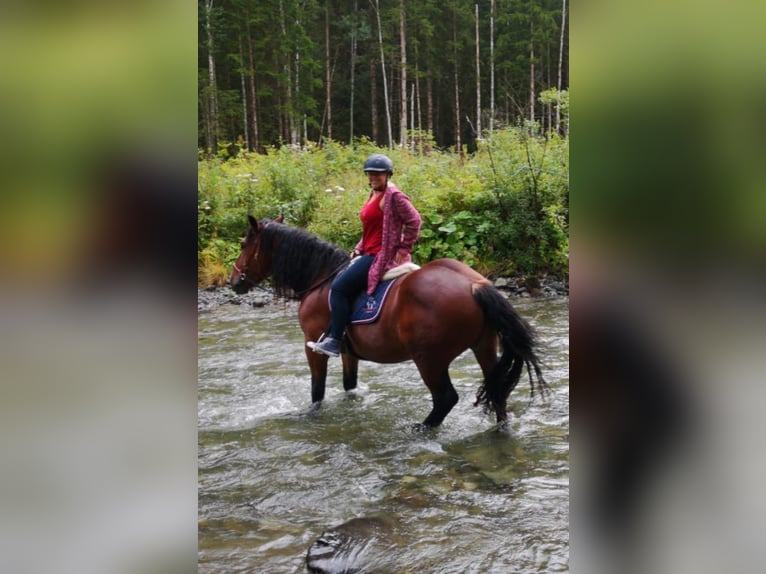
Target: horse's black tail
x=518 y=345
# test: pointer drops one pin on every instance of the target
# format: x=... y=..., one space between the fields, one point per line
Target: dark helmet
x=379 y=162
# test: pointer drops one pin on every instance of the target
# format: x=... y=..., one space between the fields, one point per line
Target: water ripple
x=463 y=498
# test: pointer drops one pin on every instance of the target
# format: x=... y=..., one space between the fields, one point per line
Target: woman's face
x=377 y=179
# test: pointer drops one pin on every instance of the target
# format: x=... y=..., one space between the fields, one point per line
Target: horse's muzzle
x=240 y=286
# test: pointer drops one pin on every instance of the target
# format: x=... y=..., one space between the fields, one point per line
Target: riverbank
x=210 y=298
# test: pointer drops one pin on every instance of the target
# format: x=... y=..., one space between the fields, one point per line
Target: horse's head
x=253 y=264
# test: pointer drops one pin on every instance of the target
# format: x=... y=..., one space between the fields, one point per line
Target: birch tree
x=245 y=123
x=458 y=143
x=376 y=7
x=354 y=42
x=531 y=71
x=478 y=77
x=374 y=100
x=211 y=136
x=288 y=80
x=255 y=143
x=492 y=67
x=328 y=70
x=403 y=77
x=561 y=59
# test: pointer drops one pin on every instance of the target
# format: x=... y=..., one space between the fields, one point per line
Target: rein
x=321 y=282
x=317 y=285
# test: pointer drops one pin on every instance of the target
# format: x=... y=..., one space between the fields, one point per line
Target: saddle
x=403 y=269
x=365 y=308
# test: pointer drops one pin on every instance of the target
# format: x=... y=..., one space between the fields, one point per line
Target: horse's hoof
x=314 y=408
x=503 y=426
x=421 y=428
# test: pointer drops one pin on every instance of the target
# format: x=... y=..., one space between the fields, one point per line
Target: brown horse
x=431 y=316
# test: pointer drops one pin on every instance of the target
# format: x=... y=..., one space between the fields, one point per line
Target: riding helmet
x=379 y=162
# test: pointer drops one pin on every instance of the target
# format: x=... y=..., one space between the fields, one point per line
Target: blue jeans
x=345 y=287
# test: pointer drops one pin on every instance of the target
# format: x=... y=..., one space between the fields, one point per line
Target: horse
x=431 y=316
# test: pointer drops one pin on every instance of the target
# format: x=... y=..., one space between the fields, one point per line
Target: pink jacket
x=401 y=227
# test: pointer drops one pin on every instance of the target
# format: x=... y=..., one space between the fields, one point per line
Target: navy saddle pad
x=365 y=308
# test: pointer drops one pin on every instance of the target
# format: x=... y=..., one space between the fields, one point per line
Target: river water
x=464 y=498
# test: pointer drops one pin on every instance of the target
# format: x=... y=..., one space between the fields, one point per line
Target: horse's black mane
x=299 y=259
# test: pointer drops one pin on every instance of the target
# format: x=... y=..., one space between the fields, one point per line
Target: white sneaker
x=327 y=346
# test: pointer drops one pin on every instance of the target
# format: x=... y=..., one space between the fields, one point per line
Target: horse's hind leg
x=443 y=394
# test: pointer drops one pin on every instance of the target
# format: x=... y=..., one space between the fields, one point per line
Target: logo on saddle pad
x=369 y=305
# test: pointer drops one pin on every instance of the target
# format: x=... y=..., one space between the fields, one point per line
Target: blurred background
x=668 y=237
x=97 y=286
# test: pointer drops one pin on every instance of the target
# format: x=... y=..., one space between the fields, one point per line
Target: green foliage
x=503 y=209
x=456 y=235
x=551 y=96
x=554 y=97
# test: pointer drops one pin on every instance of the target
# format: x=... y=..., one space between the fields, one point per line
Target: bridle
x=243 y=276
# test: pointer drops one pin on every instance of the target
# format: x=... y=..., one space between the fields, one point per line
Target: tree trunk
x=374 y=100
x=353 y=74
x=548 y=106
x=419 y=125
x=403 y=79
x=531 y=73
x=561 y=60
x=507 y=100
x=412 y=116
x=478 y=78
x=245 y=123
x=492 y=67
x=385 y=80
x=211 y=137
x=417 y=99
x=328 y=75
x=430 y=103
x=295 y=136
x=256 y=143
x=458 y=143
x=288 y=108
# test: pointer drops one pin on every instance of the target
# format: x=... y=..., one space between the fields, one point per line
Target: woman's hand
x=402 y=256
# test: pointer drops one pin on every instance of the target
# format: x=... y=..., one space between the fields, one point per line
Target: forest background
x=470 y=100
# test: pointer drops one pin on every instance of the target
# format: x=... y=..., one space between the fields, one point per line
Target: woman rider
x=390 y=227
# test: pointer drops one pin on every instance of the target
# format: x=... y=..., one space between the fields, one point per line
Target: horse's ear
x=279 y=219
x=253 y=222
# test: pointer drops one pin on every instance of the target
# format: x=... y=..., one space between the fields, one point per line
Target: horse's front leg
x=318 y=366
x=350 y=371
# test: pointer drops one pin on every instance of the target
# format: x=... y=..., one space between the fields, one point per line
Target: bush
x=505 y=209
